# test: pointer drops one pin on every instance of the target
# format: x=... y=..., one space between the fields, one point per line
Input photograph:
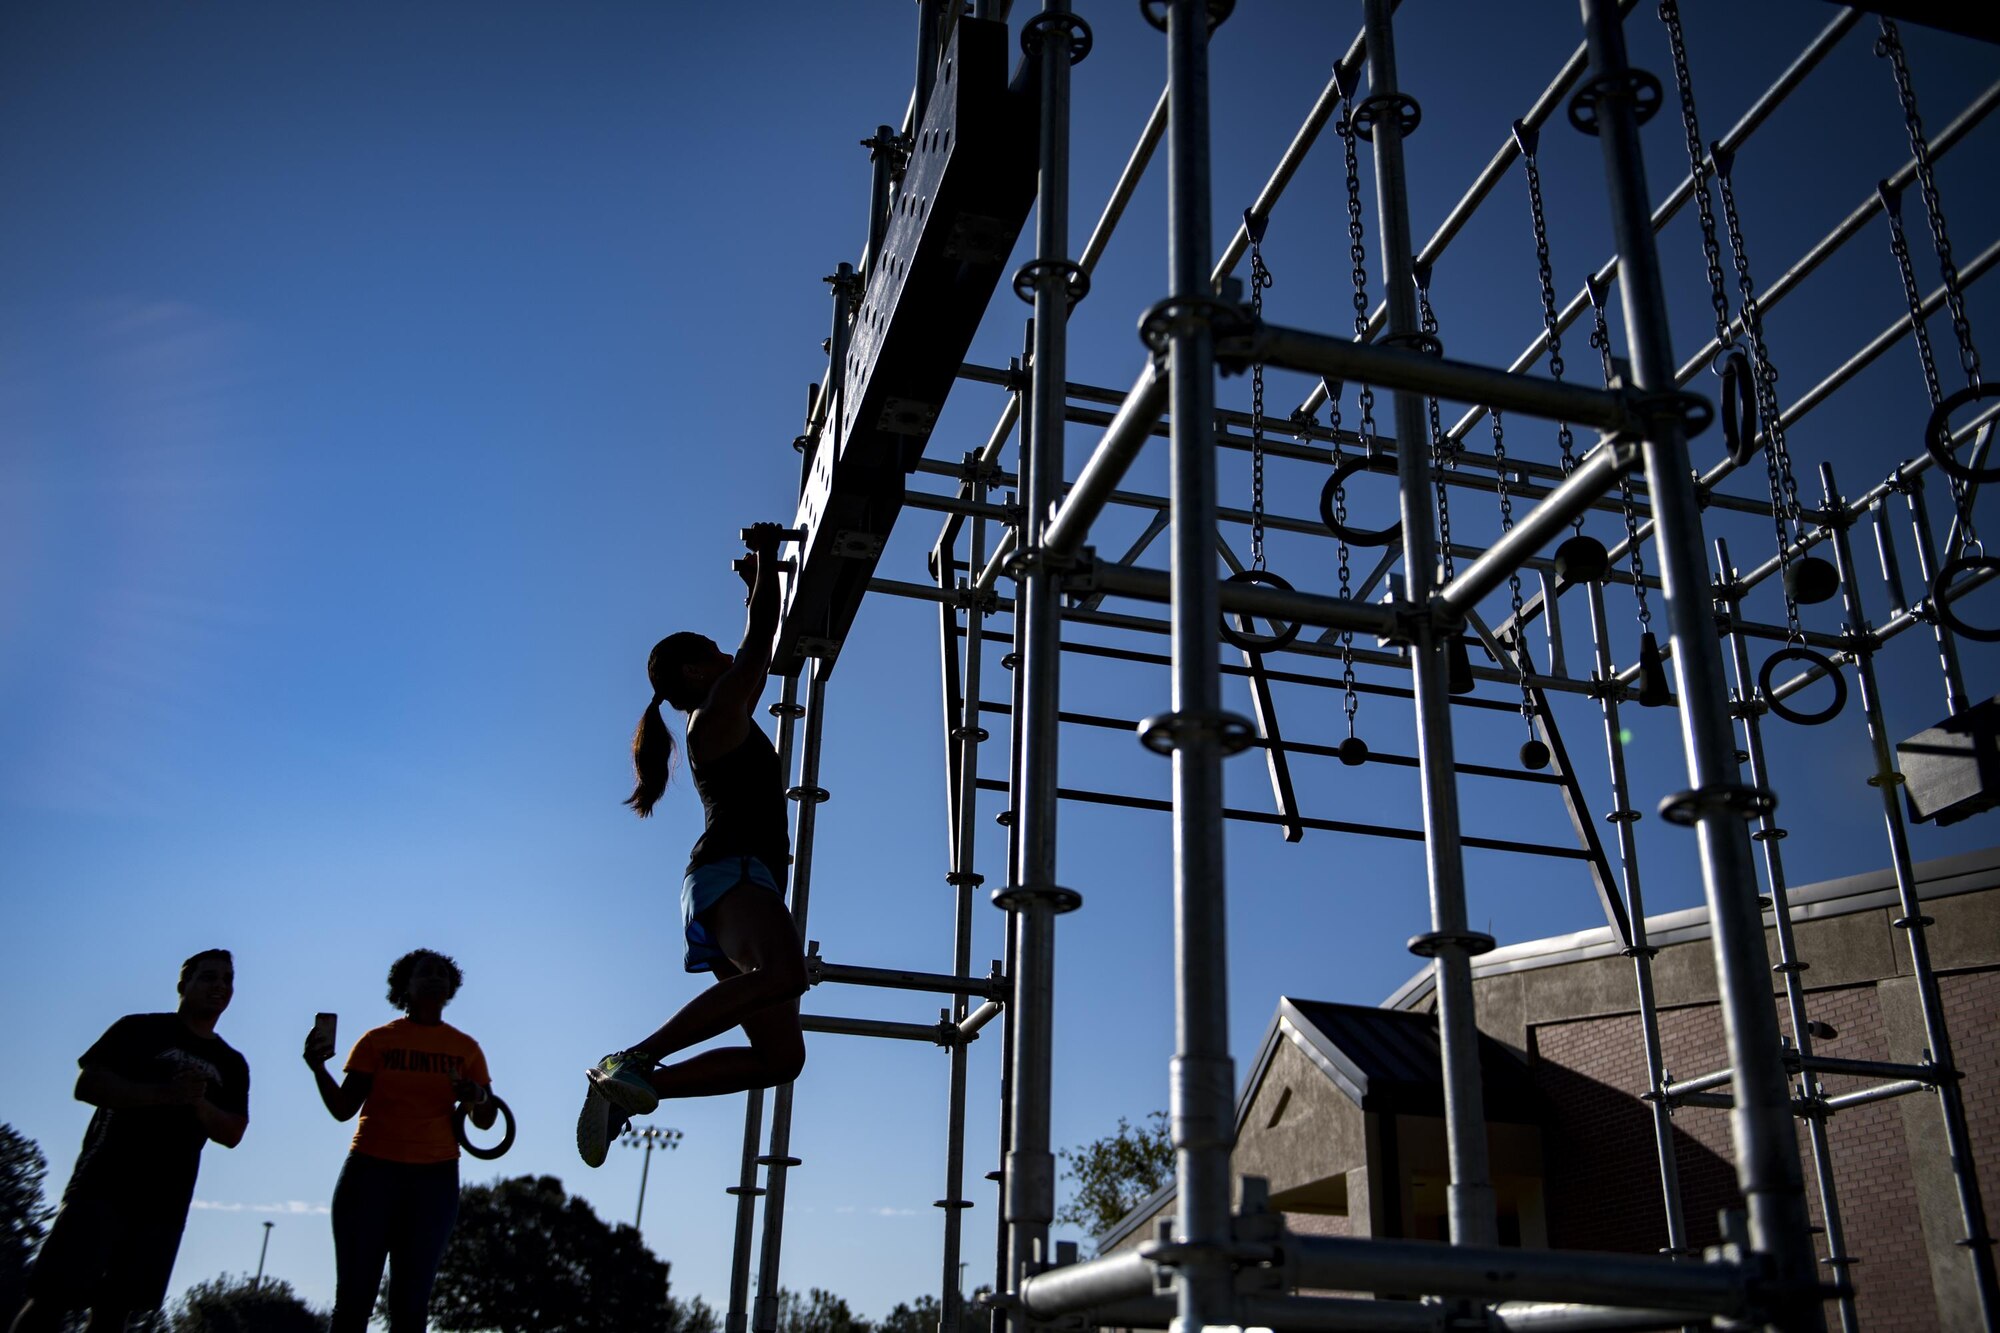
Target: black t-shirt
x=154 y=1152
x=743 y=796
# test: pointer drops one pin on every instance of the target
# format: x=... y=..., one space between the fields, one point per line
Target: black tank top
x=743 y=800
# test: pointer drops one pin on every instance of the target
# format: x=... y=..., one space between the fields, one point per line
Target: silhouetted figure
x=733 y=898
x=398 y=1192
x=163 y=1086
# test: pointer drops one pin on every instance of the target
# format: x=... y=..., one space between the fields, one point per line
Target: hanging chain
x=1711 y=252
x=1358 y=257
x=1260 y=278
x=1513 y=574
x=1443 y=455
x=1551 y=332
x=1890 y=44
x=1899 y=246
x=1600 y=338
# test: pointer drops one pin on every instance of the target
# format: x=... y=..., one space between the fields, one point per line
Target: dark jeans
x=393 y=1211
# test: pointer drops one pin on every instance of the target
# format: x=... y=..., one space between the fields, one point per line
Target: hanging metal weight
x=1354 y=752
x=1458 y=666
x=1534 y=755
x=1582 y=559
x=1810 y=580
x=1653 y=691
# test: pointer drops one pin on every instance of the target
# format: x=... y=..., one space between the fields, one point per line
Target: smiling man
x=163 y=1086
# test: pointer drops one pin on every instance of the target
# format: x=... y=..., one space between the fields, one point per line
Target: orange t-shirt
x=407 y=1117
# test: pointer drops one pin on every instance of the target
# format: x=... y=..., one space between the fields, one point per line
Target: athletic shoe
x=593 y=1128
x=620 y=1078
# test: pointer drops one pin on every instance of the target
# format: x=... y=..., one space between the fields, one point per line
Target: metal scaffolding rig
x=1233 y=1263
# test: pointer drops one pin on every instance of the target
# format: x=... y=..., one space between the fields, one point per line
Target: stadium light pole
x=650 y=1137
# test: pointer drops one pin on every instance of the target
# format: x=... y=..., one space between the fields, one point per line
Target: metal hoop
x=1035 y=31
x=1637 y=84
x=1328 y=497
x=1965 y=564
x=1739 y=409
x=1241 y=634
x=506 y=1138
x=1799 y=653
x=1937 y=435
x=1409 y=114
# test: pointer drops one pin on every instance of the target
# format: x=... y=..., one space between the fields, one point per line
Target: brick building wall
x=1603 y=1183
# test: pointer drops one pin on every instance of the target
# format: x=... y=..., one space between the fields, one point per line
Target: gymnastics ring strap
x=1965 y=564
x=497 y=1150
x=1739 y=409
x=1798 y=653
x=1329 y=495
x=1937 y=435
x=1241 y=634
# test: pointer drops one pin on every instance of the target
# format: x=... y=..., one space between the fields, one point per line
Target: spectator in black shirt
x=163 y=1085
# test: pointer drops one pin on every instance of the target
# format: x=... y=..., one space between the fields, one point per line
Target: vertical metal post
x=1767 y=1158
x=1450 y=943
x=1623 y=817
x=1789 y=965
x=927 y=59
x=1034 y=897
x=1977 y=1244
x=1955 y=697
x=1203 y=1078
x=883 y=150
x=736 y=1319
x=968 y=734
x=779 y=1160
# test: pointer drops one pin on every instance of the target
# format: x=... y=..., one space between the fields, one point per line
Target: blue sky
x=378 y=383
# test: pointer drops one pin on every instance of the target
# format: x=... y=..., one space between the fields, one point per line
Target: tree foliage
x=525 y=1257
x=24 y=1218
x=819 y=1311
x=1114 y=1175
x=244 y=1305
x=919 y=1316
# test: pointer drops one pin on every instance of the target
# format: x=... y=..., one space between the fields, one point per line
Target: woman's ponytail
x=652 y=759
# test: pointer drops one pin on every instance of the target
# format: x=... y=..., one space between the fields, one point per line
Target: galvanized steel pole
x=1450 y=942
x=1203 y=1078
x=1767 y=1159
x=1033 y=897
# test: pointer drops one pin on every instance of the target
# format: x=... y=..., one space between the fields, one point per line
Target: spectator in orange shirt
x=398 y=1193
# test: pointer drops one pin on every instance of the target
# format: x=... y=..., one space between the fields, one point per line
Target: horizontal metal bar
x=1088 y=1285
x=1436 y=376
x=1343 y=1314
x=1826 y=1064
x=1105 y=723
x=1700 y=1084
x=1251 y=599
x=1497 y=1273
x=875 y=1027
x=889 y=978
x=1596 y=474
x=1389 y=831
x=1882 y=1092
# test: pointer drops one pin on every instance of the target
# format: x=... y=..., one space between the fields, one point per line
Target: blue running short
x=702 y=888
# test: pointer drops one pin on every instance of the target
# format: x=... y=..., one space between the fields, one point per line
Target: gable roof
x=1390 y=1060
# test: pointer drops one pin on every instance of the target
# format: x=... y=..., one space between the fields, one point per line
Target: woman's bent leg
x=423 y=1228
x=362 y=1203
x=754 y=930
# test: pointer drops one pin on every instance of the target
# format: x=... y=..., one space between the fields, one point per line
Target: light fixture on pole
x=650 y=1137
x=262 y=1251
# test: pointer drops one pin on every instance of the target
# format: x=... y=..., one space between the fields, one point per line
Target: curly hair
x=403 y=968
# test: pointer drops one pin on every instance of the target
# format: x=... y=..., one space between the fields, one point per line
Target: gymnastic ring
x=1937 y=435
x=1965 y=564
x=1793 y=652
x=1329 y=496
x=1241 y=634
x=497 y=1150
x=1739 y=408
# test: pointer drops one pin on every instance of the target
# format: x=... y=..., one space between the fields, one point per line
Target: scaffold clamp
x=1021 y=897
x=1685 y=808
x=1163 y=733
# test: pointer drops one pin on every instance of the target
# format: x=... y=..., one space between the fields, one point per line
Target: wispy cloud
x=291 y=1207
